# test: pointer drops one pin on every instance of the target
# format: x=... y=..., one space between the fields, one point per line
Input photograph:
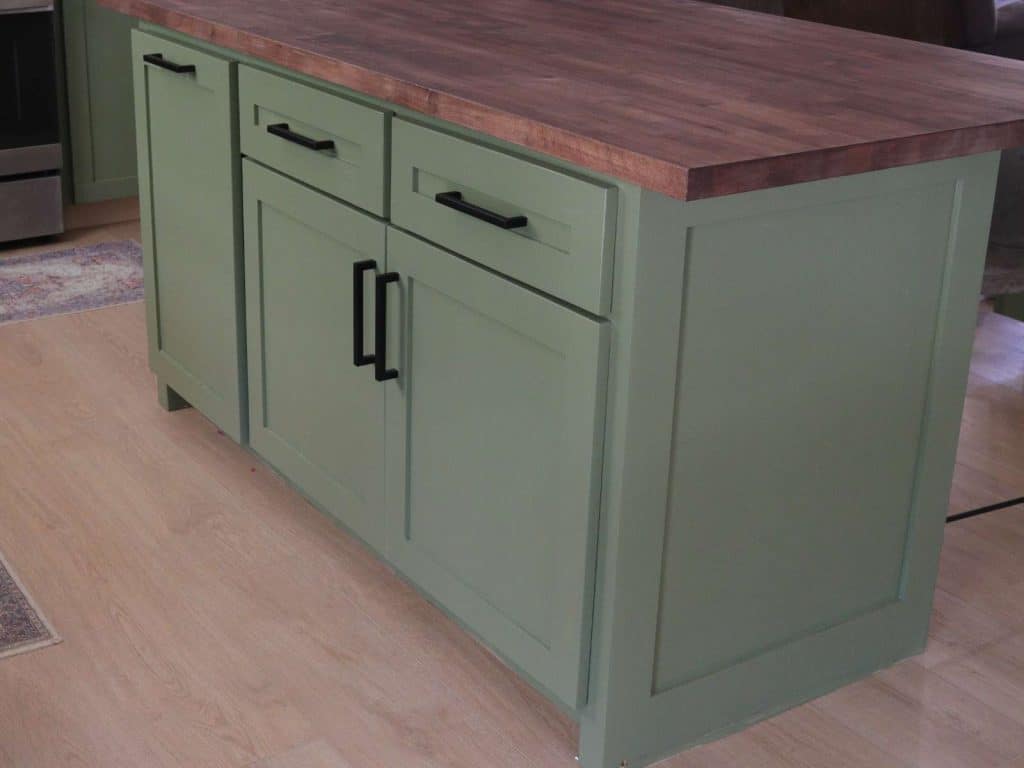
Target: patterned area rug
x=60 y=282
x=22 y=627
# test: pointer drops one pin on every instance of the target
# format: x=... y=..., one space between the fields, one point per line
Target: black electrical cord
x=984 y=510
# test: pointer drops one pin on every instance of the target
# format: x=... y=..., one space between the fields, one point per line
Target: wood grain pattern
x=686 y=98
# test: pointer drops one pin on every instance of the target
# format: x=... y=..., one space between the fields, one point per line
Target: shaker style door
x=316 y=412
x=188 y=163
x=495 y=420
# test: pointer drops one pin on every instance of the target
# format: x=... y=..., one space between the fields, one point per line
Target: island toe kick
x=682 y=464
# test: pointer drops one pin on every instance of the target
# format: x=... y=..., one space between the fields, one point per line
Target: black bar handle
x=454 y=200
x=158 y=60
x=359 y=357
x=380 y=328
x=283 y=131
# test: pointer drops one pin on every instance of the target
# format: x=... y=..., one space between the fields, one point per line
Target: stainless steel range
x=30 y=149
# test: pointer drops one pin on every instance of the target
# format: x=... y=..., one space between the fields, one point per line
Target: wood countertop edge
x=835 y=162
x=671 y=179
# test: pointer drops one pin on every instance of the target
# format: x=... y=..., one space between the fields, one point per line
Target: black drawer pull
x=282 y=130
x=359 y=357
x=380 y=328
x=158 y=60
x=454 y=200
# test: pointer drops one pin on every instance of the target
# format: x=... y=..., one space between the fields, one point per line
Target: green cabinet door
x=315 y=415
x=188 y=173
x=100 y=115
x=494 y=444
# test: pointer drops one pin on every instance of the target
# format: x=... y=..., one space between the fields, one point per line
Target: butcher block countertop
x=684 y=98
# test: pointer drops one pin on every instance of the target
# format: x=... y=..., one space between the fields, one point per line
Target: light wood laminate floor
x=211 y=617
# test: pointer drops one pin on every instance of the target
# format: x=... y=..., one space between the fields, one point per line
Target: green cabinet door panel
x=191 y=221
x=314 y=415
x=493 y=457
x=100 y=111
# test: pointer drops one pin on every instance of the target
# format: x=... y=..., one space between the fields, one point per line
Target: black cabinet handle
x=454 y=200
x=380 y=328
x=283 y=131
x=359 y=357
x=158 y=60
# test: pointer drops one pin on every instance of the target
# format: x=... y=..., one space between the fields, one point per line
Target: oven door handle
x=158 y=60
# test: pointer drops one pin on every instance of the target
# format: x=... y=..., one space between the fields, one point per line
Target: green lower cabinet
x=494 y=446
x=188 y=171
x=314 y=415
x=99 y=90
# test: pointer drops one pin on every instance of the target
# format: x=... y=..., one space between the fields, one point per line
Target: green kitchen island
x=635 y=335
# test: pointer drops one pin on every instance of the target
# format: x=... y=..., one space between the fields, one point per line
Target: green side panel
x=100 y=109
x=790 y=449
x=314 y=415
x=352 y=170
x=187 y=141
x=567 y=247
x=493 y=458
x=792 y=483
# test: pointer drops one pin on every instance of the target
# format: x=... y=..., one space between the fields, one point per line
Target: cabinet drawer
x=566 y=245
x=323 y=139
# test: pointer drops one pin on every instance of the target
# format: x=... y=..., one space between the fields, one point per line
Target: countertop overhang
x=684 y=98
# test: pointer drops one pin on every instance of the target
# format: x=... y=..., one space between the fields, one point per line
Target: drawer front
x=566 y=246
x=325 y=140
